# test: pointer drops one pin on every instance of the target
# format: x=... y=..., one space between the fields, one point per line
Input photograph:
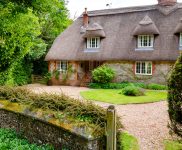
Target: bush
x=103 y=74
x=154 y=86
x=132 y=91
x=175 y=97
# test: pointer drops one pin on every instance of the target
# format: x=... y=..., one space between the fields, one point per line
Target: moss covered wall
x=42 y=132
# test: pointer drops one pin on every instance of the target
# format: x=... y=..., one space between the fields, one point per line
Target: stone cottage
x=140 y=43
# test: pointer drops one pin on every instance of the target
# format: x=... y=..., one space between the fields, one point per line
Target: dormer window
x=93 y=42
x=145 y=41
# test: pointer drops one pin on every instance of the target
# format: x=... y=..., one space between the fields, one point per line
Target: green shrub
x=10 y=140
x=154 y=86
x=175 y=97
x=103 y=74
x=132 y=91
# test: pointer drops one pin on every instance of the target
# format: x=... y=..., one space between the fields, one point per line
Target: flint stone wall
x=41 y=132
x=125 y=71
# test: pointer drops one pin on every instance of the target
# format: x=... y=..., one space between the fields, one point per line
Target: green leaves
x=27 y=30
x=103 y=74
x=19 y=31
x=9 y=139
x=175 y=97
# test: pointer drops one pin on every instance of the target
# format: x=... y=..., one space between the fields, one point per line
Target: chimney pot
x=167 y=2
x=85 y=18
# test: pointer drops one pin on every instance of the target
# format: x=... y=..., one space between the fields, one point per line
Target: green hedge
x=175 y=97
x=154 y=86
x=125 y=84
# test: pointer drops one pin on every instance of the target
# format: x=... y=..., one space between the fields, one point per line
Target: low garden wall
x=42 y=132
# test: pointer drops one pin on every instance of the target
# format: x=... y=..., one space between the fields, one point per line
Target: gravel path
x=147 y=122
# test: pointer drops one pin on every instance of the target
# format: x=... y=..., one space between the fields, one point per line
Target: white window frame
x=180 y=39
x=145 y=41
x=61 y=64
x=93 y=42
x=146 y=68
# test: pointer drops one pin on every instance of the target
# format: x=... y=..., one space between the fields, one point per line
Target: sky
x=76 y=7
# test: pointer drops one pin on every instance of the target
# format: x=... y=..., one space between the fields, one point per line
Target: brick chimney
x=85 y=18
x=167 y=2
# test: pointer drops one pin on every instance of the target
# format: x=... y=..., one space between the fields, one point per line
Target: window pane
x=93 y=42
x=63 y=65
x=137 y=67
x=149 y=68
x=143 y=67
x=145 y=41
x=58 y=65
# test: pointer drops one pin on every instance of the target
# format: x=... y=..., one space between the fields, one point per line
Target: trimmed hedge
x=175 y=97
x=154 y=86
x=125 y=84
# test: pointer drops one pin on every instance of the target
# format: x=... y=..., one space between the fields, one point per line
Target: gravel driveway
x=147 y=122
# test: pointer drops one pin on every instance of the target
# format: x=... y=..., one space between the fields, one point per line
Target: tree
x=175 y=97
x=27 y=29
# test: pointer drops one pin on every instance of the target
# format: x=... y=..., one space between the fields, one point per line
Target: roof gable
x=146 y=26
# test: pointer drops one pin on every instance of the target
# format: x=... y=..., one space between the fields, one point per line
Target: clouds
x=76 y=7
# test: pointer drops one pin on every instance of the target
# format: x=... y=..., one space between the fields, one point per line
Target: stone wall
x=42 y=132
x=125 y=71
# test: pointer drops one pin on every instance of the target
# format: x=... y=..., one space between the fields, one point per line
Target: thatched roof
x=178 y=28
x=120 y=43
x=146 y=26
x=94 y=30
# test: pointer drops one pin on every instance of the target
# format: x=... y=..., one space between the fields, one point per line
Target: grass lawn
x=113 y=96
x=172 y=145
x=129 y=142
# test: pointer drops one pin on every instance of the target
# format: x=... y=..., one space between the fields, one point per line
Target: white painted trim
x=140 y=42
x=89 y=45
x=145 y=68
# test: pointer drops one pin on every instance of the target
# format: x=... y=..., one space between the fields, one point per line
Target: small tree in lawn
x=103 y=74
x=175 y=97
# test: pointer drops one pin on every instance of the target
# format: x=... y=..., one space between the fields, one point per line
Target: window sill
x=144 y=49
x=91 y=50
x=143 y=74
